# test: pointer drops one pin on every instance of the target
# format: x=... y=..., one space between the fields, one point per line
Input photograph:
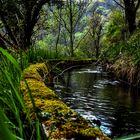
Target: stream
x=94 y=94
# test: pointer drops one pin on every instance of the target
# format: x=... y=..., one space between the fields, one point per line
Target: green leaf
x=129 y=137
x=13 y=87
x=5 y=134
x=10 y=58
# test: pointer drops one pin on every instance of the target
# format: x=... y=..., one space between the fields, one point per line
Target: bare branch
x=81 y=40
x=61 y=18
x=137 y=6
x=119 y=4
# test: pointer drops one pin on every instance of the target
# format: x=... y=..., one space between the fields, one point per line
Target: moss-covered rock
x=38 y=89
x=37 y=71
x=58 y=120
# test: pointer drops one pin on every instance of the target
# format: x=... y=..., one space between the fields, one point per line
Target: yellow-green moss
x=33 y=71
x=93 y=132
x=38 y=89
x=79 y=131
x=62 y=121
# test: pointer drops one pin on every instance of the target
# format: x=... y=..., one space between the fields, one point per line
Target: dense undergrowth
x=124 y=59
x=121 y=50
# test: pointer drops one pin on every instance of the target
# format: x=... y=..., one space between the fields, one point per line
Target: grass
x=35 y=54
x=4 y=131
x=14 y=118
x=129 y=137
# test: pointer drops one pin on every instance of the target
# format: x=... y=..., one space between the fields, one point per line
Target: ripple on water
x=89 y=71
x=91 y=93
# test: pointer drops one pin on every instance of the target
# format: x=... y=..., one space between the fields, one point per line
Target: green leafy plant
x=13 y=110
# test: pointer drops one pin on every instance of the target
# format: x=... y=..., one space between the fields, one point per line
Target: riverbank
x=58 y=120
x=125 y=70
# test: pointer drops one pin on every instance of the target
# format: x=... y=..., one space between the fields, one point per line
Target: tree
x=114 y=37
x=49 y=27
x=130 y=7
x=96 y=27
x=19 y=18
x=58 y=12
x=70 y=17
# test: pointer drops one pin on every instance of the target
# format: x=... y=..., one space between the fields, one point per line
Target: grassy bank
x=14 y=113
x=123 y=56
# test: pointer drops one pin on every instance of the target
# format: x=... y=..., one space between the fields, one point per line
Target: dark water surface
x=91 y=92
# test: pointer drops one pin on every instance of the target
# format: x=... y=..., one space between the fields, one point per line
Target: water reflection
x=91 y=92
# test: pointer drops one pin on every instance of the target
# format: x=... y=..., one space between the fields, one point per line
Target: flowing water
x=92 y=93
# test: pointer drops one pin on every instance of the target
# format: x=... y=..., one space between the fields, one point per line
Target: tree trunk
x=131 y=19
x=58 y=36
x=26 y=12
x=71 y=29
x=57 y=40
x=97 y=49
x=130 y=13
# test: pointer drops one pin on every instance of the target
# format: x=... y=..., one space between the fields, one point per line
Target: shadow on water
x=91 y=92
